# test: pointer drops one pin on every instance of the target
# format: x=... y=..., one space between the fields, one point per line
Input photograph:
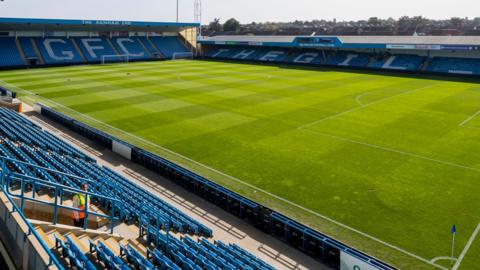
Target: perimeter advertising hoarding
x=413 y=47
x=349 y=262
x=433 y=47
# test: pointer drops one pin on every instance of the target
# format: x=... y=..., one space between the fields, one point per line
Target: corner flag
x=454 y=231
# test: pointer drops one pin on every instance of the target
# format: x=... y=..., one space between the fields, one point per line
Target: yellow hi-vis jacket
x=79 y=202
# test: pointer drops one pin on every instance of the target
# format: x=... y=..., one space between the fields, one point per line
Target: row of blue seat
x=75 y=256
x=188 y=254
x=135 y=258
x=35 y=136
x=57 y=50
x=155 y=207
x=9 y=55
x=107 y=257
x=62 y=50
x=454 y=65
x=30 y=144
x=348 y=58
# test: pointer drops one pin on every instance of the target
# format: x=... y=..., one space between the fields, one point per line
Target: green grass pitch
x=394 y=158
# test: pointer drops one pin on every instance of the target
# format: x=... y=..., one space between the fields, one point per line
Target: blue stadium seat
x=150 y=47
x=310 y=57
x=162 y=261
x=57 y=50
x=168 y=45
x=30 y=144
x=454 y=65
x=74 y=255
x=131 y=47
x=399 y=62
x=94 y=48
x=135 y=258
x=220 y=52
x=352 y=59
x=106 y=256
x=26 y=44
x=9 y=55
x=273 y=55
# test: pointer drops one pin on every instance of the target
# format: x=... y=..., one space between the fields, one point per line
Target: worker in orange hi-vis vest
x=79 y=202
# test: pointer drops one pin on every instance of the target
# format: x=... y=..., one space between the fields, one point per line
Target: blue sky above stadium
x=244 y=10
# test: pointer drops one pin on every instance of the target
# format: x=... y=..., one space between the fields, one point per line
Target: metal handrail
x=4 y=159
x=6 y=175
x=59 y=189
x=52 y=259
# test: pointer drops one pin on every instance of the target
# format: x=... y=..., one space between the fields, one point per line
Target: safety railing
x=52 y=259
x=7 y=178
x=59 y=192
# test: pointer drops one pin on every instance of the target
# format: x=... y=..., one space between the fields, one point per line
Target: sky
x=244 y=10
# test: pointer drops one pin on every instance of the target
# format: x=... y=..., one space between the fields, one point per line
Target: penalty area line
x=396 y=248
x=362 y=106
x=392 y=150
x=469 y=119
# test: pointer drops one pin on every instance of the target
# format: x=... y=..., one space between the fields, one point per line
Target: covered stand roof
x=360 y=42
x=27 y=24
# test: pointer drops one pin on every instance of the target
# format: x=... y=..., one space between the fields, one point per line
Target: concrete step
x=45 y=237
x=134 y=243
x=113 y=245
x=79 y=243
x=43 y=212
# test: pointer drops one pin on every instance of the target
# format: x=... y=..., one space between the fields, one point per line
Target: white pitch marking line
x=358 y=98
x=361 y=107
x=387 y=149
x=467 y=247
x=240 y=181
x=442 y=258
x=469 y=119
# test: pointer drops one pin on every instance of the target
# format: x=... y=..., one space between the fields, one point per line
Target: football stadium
x=142 y=145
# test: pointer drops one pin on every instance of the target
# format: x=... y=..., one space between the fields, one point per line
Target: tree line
x=372 y=26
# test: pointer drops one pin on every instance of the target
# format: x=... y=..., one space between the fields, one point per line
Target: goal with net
x=182 y=55
x=115 y=58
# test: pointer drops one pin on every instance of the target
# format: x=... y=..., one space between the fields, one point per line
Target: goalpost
x=182 y=55
x=114 y=58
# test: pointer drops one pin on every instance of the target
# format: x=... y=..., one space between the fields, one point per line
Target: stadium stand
x=310 y=57
x=63 y=50
x=150 y=47
x=48 y=161
x=57 y=50
x=398 y=62
x=95 y=48
x=342 y=58
x=131 y=47
x=454 y=65
x=168 y=45
x=9 y=55
x=353 y=51
x=407 y=62
x=28 y=50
